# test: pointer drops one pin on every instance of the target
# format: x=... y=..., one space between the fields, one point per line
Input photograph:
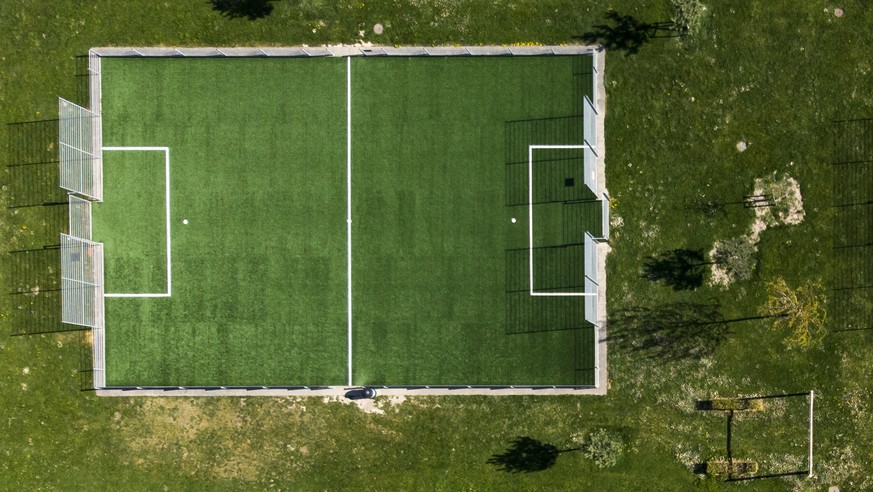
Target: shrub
x=602 y=447
x=736 y=257
x=688 y=16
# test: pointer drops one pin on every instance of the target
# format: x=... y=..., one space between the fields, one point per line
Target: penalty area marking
x=530 y=151
x=169 y=292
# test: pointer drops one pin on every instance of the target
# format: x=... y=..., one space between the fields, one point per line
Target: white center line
x=349 y=203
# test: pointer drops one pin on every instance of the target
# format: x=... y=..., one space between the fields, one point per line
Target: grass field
x=258 y=272
x=430 y=225
x=775 y=75
x=258 y=167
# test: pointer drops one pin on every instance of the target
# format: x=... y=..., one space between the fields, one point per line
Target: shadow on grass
x=527 y=455
x=681 y=269
x=33 y=301
x=33 y=142
x=628 y=34
x=772 y=475
x=707 y=405
x=239 y=9
x=672 y=332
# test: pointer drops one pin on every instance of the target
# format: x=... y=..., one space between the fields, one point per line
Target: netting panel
x=80 y=217
x=81 y=281
x=81 y=168
x=590 y=135
x=591 y=279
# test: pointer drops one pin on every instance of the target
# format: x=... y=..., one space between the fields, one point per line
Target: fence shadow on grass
x=36 y=213
x=681 y=269
x=31 y=174
x=627 y=33
x=527 y=455
x=851 y=276
x=33 y=300
x=33 y=142
x=243 y=9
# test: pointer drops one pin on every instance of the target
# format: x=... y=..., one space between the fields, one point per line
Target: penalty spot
x=185 y=221
x=513 y=220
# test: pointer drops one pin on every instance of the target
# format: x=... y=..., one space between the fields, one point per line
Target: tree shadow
x=671 y=332
x=628 y=34
x=681 y=269
x=238 y=9
x=526 y=455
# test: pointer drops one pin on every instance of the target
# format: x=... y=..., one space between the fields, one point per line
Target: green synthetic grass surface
x=257 y=168
x=131 y=221
x=431 y=226
x=259 y=273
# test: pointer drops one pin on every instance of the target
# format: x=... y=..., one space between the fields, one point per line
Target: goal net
x=80 y=217
x=81 y=163
x=82 y=293
x=589 y=118
x=81 y=281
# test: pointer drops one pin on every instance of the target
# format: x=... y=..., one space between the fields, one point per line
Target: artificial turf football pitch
x=340 y=221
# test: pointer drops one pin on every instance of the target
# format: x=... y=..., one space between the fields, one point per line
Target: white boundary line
x=169 y=292
x=530 y=149
x=349 y=206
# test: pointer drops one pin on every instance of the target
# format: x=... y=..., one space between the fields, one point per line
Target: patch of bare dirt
x=787 y=201
x=720 y=276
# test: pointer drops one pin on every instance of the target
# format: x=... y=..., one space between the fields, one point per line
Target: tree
x=800 y=311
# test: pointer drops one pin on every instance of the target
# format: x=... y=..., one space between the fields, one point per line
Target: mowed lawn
x=258 y=273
